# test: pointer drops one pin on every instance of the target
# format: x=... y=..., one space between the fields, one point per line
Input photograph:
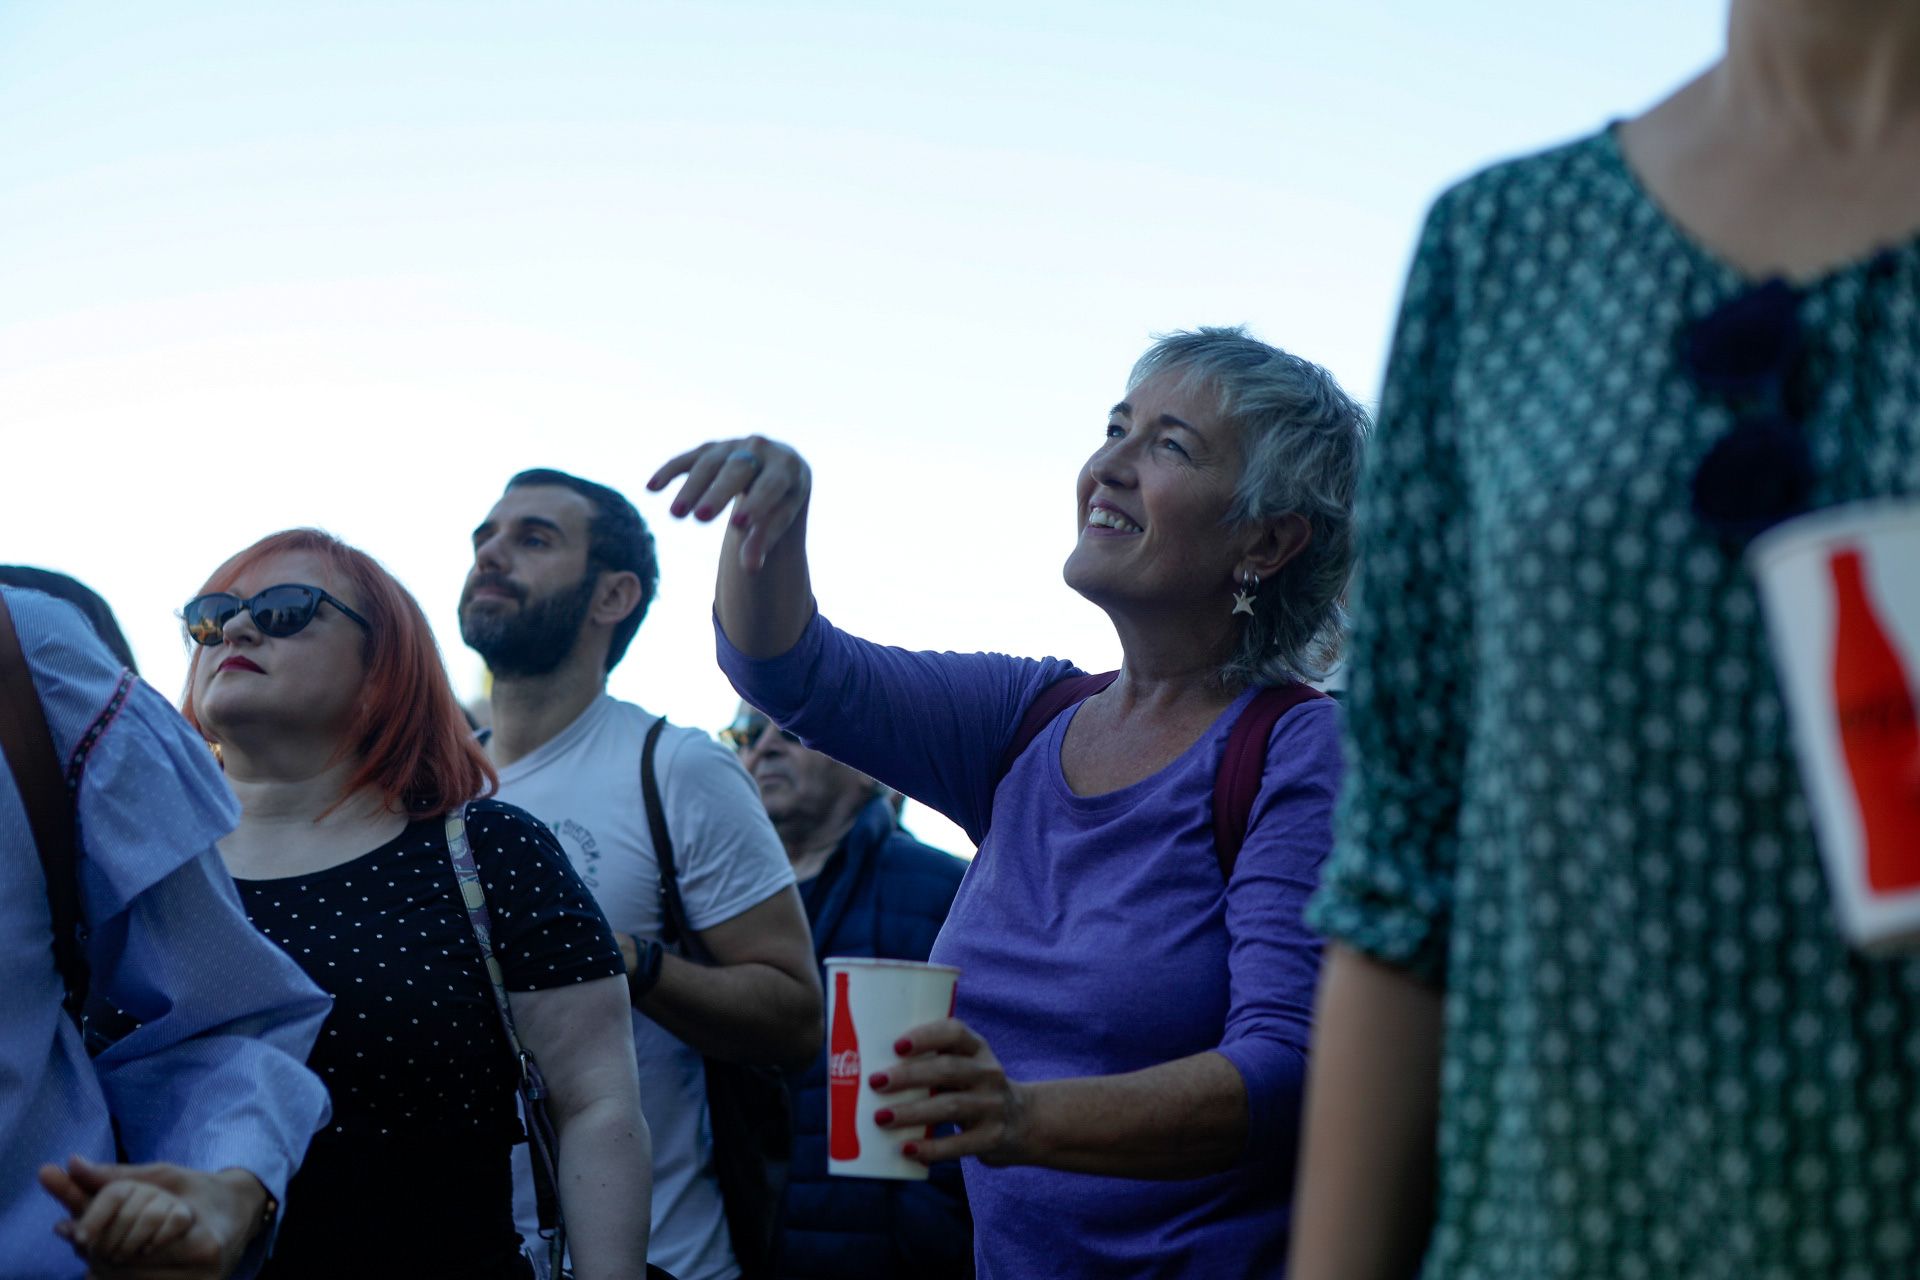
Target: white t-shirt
x=585 y=784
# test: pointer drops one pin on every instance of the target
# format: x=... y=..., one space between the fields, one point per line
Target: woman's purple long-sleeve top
x=1095 y=935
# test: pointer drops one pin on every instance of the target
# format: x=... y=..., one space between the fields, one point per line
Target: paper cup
x=1842 y=596
x=870 y=1005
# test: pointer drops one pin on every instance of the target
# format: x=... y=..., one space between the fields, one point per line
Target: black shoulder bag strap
x=674 y=925
x=44 y=794
x=746 y=1105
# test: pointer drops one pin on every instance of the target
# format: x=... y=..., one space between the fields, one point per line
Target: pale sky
x=353 y=264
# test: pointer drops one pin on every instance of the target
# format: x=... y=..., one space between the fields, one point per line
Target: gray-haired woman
x=1126 y=1060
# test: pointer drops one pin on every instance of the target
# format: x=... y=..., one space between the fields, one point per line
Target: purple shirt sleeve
x=1273 y=959
x=930 y=725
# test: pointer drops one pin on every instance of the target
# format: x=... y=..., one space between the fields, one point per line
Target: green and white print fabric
x=1572 y=799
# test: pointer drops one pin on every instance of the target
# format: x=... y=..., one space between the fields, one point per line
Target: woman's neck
x=1168 y=662
x=296 y=815
x=1843 y=74
x=1794 y=155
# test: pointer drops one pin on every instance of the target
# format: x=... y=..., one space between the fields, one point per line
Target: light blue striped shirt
x=215 y=1076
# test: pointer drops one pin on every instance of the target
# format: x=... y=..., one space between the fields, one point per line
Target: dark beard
x=533 y=642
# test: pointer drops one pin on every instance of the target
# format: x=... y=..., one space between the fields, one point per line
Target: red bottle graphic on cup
x=1879 y=732
x=843 y=1078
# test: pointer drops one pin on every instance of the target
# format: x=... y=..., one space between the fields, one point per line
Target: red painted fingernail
x=903 y=1046
x=704 y=513
x=878 y=1079
x=678 y=508
x=911 y=1149
x=739 y=519
x=883 y=1117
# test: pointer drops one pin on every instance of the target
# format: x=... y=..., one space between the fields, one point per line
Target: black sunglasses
x=1761 y=472
x=278 y=611
x=746 y=731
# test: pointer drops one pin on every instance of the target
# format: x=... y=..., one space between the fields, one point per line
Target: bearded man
x=563 y=572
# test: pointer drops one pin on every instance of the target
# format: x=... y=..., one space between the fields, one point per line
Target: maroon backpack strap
x=1065 y=692
x=1243 y=765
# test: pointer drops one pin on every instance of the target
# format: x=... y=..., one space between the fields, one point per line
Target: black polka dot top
x=414 y=1042
x=413 y=1054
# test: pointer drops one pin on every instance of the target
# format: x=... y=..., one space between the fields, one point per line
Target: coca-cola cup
x=870 y=1005
x=1842 y=594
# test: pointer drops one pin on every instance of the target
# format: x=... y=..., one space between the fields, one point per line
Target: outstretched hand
x=766 y=481
x=133 y=1221
x=971 y=1090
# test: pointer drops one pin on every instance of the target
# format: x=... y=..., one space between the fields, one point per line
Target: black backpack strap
x=673 y=907
x=49 y=801
x=747 y=1107
x=1244 y=764
x=1067 y=691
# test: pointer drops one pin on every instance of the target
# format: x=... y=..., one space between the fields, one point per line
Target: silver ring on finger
x=748 y=456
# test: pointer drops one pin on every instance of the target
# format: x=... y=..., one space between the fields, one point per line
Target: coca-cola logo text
x=844 y=1065
x=1878 y=715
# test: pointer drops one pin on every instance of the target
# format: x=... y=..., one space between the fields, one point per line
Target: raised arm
x=931 y=725
x=764 y=596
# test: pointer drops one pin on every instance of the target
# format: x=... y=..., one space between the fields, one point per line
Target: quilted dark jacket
x=889 y=900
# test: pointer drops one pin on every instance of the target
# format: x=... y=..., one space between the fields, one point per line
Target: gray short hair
x=1305 y=441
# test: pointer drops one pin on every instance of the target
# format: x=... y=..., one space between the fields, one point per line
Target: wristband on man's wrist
x=648 y=954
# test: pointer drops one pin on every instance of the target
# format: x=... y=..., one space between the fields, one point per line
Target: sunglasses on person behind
x=278 y=611
x=746 y=731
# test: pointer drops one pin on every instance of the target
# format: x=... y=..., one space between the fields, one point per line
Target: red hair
x=411 y=739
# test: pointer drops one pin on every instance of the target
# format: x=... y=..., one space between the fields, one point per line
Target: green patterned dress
x=1573 y=800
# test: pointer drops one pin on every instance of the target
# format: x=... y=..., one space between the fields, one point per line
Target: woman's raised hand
x=767 y=482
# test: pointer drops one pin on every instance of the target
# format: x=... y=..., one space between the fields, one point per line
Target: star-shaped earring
x=1243 y=601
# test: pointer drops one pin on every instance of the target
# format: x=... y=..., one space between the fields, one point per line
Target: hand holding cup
x=969 y=1089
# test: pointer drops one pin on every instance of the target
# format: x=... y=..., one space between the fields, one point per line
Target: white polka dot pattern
x=414 y=1045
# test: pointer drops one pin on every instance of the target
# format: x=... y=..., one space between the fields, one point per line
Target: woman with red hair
x=317 y=679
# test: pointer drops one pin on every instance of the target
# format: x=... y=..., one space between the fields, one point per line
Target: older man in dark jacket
x=870 y=890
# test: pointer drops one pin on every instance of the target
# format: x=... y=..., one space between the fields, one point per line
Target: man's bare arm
x=761 y=1003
